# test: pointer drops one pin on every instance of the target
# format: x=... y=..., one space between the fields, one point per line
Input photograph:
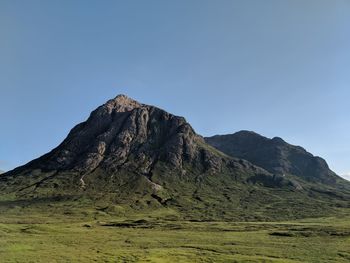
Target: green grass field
x=80 y=235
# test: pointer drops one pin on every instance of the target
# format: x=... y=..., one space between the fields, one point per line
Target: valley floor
x=54 y=237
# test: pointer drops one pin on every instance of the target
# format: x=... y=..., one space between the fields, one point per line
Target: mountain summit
x=138 y=156
x=125 y=133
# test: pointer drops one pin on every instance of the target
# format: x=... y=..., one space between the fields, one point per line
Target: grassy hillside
x=193 y=196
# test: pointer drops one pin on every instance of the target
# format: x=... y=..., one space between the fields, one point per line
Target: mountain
x=125 y=133
x=275 y=155
x=346 y=176
x=137 y=157
x=1 y=172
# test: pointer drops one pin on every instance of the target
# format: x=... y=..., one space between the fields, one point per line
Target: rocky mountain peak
x=124 y=133
x=278 y=140
x=122 y=103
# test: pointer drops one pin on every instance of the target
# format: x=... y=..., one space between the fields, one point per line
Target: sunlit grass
x=32 y=235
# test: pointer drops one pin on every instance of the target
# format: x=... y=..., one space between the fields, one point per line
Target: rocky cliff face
x=274 y=155
x=119 y=130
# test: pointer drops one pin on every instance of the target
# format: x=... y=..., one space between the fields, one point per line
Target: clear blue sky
x=280 y=68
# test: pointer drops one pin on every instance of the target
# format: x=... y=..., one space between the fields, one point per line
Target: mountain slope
x=139 y=157
x=275 y=155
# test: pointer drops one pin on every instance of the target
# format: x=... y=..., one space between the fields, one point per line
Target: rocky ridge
x=275 y=155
